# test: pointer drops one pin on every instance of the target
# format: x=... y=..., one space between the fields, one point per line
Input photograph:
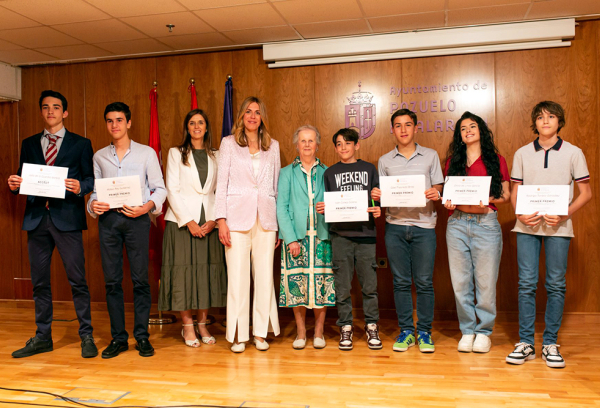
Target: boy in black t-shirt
x=353 y=243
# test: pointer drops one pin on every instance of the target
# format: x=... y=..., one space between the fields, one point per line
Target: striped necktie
x=52 y=150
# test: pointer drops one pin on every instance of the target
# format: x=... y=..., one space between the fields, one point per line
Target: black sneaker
x=552 y=357
x=34 y=346
x=346 y=333
x=88 y=347
x=522 y=352
x=114 y=349
x=145 y=348
x=373 y=340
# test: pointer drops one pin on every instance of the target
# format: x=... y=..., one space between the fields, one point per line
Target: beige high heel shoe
x=206 y=340
x=190 y=343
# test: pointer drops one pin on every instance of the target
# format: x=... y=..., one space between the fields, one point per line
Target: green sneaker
x=425 y=342
x=405 y=339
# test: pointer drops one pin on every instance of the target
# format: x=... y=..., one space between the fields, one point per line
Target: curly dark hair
x=457 y=153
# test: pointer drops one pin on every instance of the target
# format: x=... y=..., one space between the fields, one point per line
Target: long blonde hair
x=238 y=129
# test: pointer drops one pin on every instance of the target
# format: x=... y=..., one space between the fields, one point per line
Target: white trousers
x=255 y=247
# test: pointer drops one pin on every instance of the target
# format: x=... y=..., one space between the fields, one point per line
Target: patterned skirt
x=307 y=280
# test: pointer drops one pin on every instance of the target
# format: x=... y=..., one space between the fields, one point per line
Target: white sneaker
x=465 y=345
x=299 y=344
x=319 y=342
x=482 y=343
x=238 y=347
x=523 y=352
x=346 y=333
x=552 y=357
x=261 y=345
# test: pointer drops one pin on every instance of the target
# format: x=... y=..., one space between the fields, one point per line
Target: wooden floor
x=283 y=377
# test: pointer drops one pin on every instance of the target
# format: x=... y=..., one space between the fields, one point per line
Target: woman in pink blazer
x=247 y=217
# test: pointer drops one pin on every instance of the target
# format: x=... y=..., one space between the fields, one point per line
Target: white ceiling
x=45 y=31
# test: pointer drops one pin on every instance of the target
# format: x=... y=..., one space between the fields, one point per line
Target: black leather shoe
x=145 y=348
x=88 y=347
x=114 y=349
x=34 y=345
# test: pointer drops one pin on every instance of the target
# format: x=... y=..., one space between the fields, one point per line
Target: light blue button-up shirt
x=139 y=160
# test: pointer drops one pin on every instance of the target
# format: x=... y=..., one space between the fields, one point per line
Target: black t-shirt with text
x=356 y=176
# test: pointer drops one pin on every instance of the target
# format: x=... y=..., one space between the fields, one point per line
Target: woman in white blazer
x=193 y=271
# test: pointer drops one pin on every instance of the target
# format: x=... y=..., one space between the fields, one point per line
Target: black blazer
x=75 y=153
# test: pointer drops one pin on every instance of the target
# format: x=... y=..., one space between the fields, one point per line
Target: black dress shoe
x=114 y=349
x=88 y=347
x=145 y=348
x=34 y=345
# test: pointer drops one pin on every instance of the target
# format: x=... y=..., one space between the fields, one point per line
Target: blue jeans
x=411 y=251
x=474 y=250
x=528 y=257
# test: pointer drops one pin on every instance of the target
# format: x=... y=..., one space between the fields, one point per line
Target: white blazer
x=185 y=192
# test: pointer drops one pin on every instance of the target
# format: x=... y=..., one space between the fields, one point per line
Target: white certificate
x=117 y=191
x=403 y=191
x=43 y=181
x=346 y=206
x=551 y=200
x=463 y=190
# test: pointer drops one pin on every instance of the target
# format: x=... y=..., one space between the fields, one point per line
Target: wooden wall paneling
x=249 y=78
x=68 y=80
x=439 y=90
x=334 y=84
x=582 y=116
x=10 y=217
x=128 y=81
x=291 y=99
x=173 y=73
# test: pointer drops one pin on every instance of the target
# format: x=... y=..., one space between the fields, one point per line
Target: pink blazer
x=240 y=196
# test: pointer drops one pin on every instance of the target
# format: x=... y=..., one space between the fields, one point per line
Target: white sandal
x=190 y=343
x=206 y=340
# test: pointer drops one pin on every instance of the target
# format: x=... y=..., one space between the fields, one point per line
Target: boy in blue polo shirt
x=548 y=160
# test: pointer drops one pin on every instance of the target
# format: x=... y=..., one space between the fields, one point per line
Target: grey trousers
x=348 y=256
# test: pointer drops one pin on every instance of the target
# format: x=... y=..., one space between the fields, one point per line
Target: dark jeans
x=348 y=255
x=411 y=251
x=528 y=257
x=40 y=243
x=115 y=230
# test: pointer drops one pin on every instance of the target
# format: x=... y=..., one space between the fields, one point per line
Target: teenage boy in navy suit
x=55 y=222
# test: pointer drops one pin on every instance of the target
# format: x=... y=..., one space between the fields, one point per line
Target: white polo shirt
x=562 y=164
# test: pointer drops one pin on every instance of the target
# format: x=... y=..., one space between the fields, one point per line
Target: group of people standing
x=230 y=208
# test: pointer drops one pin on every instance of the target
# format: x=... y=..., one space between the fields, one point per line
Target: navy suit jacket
x=75 y=153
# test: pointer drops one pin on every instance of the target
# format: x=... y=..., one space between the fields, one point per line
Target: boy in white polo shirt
x=548 y=160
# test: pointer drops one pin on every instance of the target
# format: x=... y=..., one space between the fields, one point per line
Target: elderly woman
x=306 y=274
x=249 y=166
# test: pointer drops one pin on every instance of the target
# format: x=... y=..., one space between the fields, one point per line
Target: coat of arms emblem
x=360 y=113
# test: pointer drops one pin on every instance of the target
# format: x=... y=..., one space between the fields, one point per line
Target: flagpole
x=159 y=319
